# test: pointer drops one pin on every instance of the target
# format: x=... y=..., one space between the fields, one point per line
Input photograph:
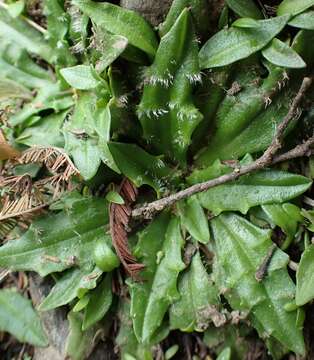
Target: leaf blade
x=280 y=54
x=240 y=248
x=24 y=325
x=228 y=46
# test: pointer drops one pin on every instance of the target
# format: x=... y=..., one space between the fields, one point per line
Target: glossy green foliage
x=15 y=9
x=18 y=317
x=57 y=242
x=245 y=121
x=18 y=32
x=58 y=27
x=300 y=45
x=114 y=197
x=104 y=257
x=48 y=98
x=99 y=303
x=264 y=187
x=280 y=54
x=198 y=296
x=245 y=23
x=309 y=216
x=166 y=111
x=159 y=248
x=129 y=347
x=79 y=343
x=87 y=135
x=240 y=249
x=36 y=133
x=109 y=46
x=95 y=80
x=293 y=7
x=199 y=10
x=305 y=279
x=80 y=77
x=193 y=219
x=121 y=22
x=139 y=166
x=17 y=66
x=225 y=354
x=286 y=216
x=245 y=8
x=208 y=98
x=230 y=45
x=304 y=20
x=70 y=285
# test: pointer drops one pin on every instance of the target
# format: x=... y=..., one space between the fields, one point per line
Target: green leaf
x=166 y=111
x=245 y=23
x=139 y=166
x=230 y=45
x=199 y=10
x=241 y=247
x=114 y=197
x=112 y=46
x=37 y=134
x=10 y=89
x=170 y=353
x=263 y=187
x=129 y=347
x=87 y=134
x=225 y=354
x=16 y=65
x=57 y=242
x=58 y=26
x=197 y=295
x=123 y=22
x=286 y=216
x=242 y=124
x=17 y=31
x=305 y=277
x=294 y=7
x=16 y=8
x=309 y=216
x=79 y=343
x=280 y=54
x=70 y=285
x=49 y=98
x=81 y=303
x=18 y=317
x=85 y=153
x=80 y=77
x=223 y=18
x=303 y=21
x=194 y=219
x=99 y=304
x=159 y=248
x=245 y=8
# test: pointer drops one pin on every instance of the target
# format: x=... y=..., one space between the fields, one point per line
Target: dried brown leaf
x=119 y=220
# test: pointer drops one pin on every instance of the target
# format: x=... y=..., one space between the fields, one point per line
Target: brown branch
x=265 y=160
x=299 y=151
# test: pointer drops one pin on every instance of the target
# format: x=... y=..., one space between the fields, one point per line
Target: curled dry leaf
x=55 y=159
x=22 y=196
x=119 y=219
